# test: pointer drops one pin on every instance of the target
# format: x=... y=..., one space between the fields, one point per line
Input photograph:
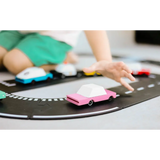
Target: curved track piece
x=58 y=108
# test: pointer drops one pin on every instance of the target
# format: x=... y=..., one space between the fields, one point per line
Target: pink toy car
x=90 y=93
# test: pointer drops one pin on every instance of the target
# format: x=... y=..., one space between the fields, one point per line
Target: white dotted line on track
x=35 y=99
x=63 y=99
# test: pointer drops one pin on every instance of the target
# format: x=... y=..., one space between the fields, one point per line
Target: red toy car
x=142 y=72
x=137 y=69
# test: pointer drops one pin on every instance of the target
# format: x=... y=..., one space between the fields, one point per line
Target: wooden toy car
x=137 y=69
x=90 y=93
x=66 y=70
x=32 y=75
x=92 y=74
x=142 y=72
x=2 y=95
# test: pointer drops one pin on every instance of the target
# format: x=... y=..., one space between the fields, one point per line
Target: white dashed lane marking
x=128 y=92
x=141 y=88
x=117 y=95
x=151 y=85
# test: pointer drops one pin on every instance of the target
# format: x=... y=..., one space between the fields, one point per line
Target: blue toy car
x=32 y=75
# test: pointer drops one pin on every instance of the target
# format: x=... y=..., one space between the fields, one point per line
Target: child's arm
x=115 y=70
x=99 y=43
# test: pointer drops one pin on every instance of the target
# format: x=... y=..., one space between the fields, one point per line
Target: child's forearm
x=99 y=43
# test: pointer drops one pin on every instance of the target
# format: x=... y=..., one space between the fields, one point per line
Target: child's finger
x=123 y=66
x=92 y=68
x=89 y=69
x=131 y=77
x=127 y=75
x=126 y=68
x=125 y=84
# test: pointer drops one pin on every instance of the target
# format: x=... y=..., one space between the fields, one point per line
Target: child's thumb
x=89 y=69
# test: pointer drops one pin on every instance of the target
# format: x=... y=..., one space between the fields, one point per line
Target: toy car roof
x=65 y=68
x=91 y=90
x=31 y=72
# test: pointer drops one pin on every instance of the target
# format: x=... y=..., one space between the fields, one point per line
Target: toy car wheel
x=91 y=103
x=95 y=75
x=79 y=75
x=144 y=74
x=33 y=82
x=63 y=76
x=110 y=99
x=48 y=79
x=0 y=100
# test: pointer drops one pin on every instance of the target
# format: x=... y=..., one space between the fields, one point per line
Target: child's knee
x=3 y=51
x=16 y=61
x=11 y=64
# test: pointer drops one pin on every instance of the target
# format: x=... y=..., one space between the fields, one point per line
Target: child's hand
x=113 y=70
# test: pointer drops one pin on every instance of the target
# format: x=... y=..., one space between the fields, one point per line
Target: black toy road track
x=58 y=108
